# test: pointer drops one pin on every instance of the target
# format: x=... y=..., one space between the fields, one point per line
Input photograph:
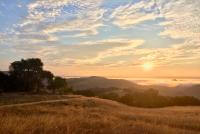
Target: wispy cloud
x=132 y=14
x=181 y=19
x=73 y=15
x=88 y=24
x=126 y=49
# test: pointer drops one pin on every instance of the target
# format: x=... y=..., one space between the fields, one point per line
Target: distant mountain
x=100 y=82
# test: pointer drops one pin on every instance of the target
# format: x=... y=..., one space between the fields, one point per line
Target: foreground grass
x=82 y=115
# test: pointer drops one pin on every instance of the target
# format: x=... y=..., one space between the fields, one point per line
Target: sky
x=111 y=38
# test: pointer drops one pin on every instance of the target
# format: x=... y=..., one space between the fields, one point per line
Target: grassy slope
x=82 y=115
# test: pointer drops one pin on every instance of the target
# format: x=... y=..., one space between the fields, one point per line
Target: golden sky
x=113 y=38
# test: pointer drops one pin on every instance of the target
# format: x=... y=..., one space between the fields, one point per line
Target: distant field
x=83 y=115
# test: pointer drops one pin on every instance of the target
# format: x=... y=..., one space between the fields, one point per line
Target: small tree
x=59 y=83
x=47 y=79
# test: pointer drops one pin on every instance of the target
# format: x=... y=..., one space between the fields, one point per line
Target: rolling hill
x=88 y=115
x=100 y=82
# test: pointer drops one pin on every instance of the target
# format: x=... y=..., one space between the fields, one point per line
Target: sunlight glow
x=148 y=66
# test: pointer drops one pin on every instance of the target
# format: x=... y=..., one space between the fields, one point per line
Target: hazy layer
x=164 y=81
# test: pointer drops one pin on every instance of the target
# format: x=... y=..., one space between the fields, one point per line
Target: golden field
x=84 y=115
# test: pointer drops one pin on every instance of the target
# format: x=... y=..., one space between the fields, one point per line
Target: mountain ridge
x=98 y=83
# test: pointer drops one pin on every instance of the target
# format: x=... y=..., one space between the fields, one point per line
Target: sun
x=148 y=66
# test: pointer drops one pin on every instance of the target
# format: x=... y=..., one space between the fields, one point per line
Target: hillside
x=95 y=83
x=99 y=82
x=85 y=115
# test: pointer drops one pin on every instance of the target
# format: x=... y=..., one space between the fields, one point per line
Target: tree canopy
x=28 y=75
x=28 y=72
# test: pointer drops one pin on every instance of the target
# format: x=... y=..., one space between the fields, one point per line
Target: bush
x=87 y=93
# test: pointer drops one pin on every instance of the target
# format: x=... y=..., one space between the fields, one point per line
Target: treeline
x=29 y=76
x=149 y=98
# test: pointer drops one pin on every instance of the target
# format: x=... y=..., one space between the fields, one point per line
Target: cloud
x=36 y=37
x=65 y=55
x=48 y=18
x=181 y=21
x=126 y=49
x=73 y=15
x=96 y=53
x=1 y=37
x=86 y=25
x=180 y=17
x=41 y=10
x=179 y=54
x=133 y=14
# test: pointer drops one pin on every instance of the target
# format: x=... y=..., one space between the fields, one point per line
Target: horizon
x=114 y=39
x=111 y=77
x=165 y=81
x=157 y=82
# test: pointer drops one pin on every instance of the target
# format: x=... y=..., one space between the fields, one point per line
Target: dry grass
x=82 y=115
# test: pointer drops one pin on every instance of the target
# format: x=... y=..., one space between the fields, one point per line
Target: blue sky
x=113 y=38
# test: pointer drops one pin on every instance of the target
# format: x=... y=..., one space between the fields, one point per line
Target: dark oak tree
x=27 y=73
